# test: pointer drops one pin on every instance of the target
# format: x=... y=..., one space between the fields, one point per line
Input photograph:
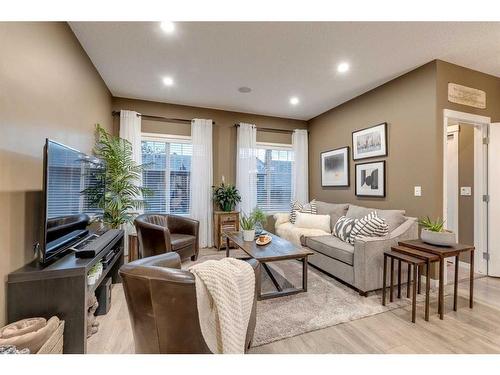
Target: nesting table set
x=417 y=255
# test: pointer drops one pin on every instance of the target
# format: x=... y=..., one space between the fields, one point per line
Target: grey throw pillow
x=369 y=226
x=393 y=218
x=308 y=208
x=343 y=227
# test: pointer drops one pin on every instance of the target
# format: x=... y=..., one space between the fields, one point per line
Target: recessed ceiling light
x=244 y=89
x=168 y=81
x=167 y=26
x=294 y=100
x=343 y=67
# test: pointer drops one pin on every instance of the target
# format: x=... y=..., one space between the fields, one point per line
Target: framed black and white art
x=370 y=179
x=335 y=167
x=369 y=142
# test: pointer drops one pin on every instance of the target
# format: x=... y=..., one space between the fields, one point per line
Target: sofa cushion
x=343 y=227
x=332 y=247
x=393 y=218
x=291 y=233
x=369 y=226
x=311 y=221
x=179 y=241
x=335 y=211
x=296 y=206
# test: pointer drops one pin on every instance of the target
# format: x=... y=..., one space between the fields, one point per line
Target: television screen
x=74 y=184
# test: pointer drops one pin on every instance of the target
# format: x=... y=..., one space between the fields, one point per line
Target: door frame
x=481 y=123
x=454 y=131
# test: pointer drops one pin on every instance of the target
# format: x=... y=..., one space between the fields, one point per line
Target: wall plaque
x=466 y=96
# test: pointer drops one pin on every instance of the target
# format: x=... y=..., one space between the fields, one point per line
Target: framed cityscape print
x=370 y=179
x=335 y=167
x=369 y=142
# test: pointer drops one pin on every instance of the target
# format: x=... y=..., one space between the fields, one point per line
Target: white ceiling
x=209 y=61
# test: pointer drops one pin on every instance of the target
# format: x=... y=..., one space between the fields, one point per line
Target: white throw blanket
x=225 y=292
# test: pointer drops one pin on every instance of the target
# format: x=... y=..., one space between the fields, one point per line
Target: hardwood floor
x=464 y=331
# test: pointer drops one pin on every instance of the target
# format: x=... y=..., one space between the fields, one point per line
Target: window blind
x=274 y=178
x=168 y=176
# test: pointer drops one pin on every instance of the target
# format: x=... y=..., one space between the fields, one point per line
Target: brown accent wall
x=224 y=131
x=466 y=178
x=48 y=88
x=408 y=105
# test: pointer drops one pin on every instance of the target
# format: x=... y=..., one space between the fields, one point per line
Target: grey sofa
x=361 y=265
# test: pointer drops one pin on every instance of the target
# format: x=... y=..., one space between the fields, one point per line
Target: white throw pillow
x=312 y=221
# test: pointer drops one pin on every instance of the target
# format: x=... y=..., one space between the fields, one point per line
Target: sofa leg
x=363 y=294
x=194 y=257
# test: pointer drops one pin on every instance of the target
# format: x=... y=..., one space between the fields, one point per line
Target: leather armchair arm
x=153 y=238
x=167 y=260
x=183 y=225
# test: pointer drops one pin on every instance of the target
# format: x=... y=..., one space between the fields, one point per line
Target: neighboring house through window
x=274 y=176
x=167 y=173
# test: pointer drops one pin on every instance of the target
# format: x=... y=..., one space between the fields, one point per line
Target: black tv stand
x=61 y=289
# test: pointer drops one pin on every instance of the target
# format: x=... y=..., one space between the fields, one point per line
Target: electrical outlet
x=418 y=191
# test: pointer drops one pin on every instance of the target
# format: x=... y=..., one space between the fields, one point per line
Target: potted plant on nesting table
x=434 y=233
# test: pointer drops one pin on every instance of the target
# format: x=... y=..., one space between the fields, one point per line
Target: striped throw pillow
x=308 y=208
x=369 y=226
x=343 y=227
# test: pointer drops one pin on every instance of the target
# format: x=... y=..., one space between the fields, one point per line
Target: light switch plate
x=466 y=190
x=418 y=191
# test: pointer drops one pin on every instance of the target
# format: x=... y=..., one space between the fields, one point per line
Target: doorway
x=465 y=166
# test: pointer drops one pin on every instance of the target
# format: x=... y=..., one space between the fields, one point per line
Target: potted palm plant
x=226 y=196
x=434 y=233
x=123 y=196
x=247 y=224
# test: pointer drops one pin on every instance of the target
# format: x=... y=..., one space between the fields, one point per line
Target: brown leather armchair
x=162 y=305
x=162 y=233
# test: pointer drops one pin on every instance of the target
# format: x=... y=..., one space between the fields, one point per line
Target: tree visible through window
x=274 y=178
x=167 y=176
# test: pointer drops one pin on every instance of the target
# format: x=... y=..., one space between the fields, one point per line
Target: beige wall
x=48 y=88
x=408 y=105
x=224 y=132
x=466 y=178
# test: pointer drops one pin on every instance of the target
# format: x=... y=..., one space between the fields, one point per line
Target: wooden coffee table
x=278 y=249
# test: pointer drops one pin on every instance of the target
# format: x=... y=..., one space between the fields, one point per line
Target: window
x=274 y=177
x=167 y=175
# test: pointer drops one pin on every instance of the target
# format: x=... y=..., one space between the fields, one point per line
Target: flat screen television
x=73 y=186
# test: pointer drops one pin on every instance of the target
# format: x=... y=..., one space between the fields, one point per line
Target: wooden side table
x=225 y=221
x=445 y=252
x=429 y=259
x=413 y=262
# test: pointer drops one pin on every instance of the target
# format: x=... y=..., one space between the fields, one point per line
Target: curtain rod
x=271 y=130
x=160 y=118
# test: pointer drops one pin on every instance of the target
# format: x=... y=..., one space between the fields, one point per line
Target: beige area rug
x=326 y=303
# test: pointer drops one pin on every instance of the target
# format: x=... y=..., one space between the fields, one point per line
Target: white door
x=494 y=204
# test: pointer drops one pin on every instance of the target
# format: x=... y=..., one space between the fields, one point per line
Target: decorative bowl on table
x=263 y=240
x=444 y=238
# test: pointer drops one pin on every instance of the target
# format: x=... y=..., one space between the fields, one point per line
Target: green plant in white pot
x=434 y=233
x=247 y=224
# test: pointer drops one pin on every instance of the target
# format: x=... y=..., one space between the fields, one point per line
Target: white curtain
x=300 y=179
x=202 y=178
x=246 y=167
x=130 y=130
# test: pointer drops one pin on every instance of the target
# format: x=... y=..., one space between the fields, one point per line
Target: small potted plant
x=260 y=219
x=226 y=196
x=434 y=233
x=247 y=224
